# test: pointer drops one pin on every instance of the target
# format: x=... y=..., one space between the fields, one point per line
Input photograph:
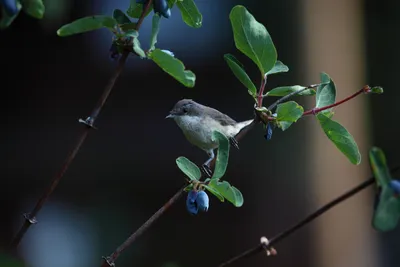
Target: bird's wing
x=221 y=117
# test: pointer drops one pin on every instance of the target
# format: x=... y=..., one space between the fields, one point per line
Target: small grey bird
x=198 y=122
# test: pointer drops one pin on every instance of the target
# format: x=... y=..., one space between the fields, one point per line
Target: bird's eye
x=185 y=110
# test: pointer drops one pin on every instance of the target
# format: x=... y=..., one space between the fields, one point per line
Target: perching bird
x=198 y=122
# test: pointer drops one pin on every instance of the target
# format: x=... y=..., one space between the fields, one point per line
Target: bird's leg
x=234 y=142
x=206 y=165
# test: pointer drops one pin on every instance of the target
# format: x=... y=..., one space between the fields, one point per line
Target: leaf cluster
x=124 y=26
x=221 y=189
x=254 y=41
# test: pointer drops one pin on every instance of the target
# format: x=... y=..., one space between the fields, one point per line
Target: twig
x=314 y=111
x=280 y=100
x=261 y=91
x=279 y=237
x=109 y=261
x=30 y=218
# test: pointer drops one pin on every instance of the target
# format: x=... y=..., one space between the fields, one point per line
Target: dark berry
x=191 y=204
x=202 y=201
x=268 y=134
x=10 y=6
x=395 y=185
x=161 y=7
x=114 y=54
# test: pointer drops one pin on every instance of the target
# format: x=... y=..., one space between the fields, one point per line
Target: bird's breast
x=198 y=130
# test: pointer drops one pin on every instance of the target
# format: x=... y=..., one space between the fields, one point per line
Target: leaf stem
x=109 y=261
x=314 y=111
x=89 y=122
x=279 y=237
x=261 y=91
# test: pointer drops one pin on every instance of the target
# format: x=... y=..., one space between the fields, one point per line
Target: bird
x=198 y=122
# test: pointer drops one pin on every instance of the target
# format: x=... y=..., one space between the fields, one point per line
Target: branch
x=30 y=218
x=279 y=237
x=314 y=111
x=261 y=91
x=109 y=261
x=280 y=100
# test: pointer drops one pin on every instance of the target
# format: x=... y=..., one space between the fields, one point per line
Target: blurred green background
x=126 y=170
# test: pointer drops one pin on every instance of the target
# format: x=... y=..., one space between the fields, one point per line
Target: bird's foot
x=206 y=170
x=233 y=142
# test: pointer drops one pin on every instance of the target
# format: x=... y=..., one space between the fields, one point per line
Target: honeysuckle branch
x=30 y=218
x=261 y=91
x=109 y=261
x=286 y=233
x=314 y=111
x=286 y=97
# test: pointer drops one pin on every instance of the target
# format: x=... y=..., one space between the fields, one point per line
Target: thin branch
x=261 y=91
x=280 y=100
x=279 y=237
x=109 y=261
x=143 y=15
x=30 y=218
x=314 y=111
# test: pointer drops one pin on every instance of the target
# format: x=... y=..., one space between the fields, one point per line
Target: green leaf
x=87 y=24
x=173 y=67
x=278 y=68
x=138 y=48
x=379 y=166
x=230 y=193
x=240 y=73
x=128 y=26
x=188 y=168
x=6 y=20
x=188 y=188
x=340 y=137
x=287 y=113
x=131 y=33
x=135 y=9
x=214 y=192
x=377 y=90
x=34 y=8
x=387 y=214
x=222 y=155
x=253 y=39
x=285 y=90
x=326 y=93
x=190 y=13
x=120 y=17
x=154 y=31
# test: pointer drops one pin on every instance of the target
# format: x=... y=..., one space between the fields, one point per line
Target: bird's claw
x=233 y=142
x=206 y=170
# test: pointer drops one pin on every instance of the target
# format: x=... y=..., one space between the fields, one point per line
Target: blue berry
x=268 y=135
x=10 y=6
x=395 y=185
x=114 y=54
x=161 y=7
x=202 y=201
x=191 y=204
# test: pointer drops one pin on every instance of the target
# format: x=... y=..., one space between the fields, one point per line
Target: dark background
x=126 y=170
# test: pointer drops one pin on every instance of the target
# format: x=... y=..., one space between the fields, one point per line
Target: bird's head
x=185 y=107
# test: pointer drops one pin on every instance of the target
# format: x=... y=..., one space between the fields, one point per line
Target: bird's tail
x=243 y=124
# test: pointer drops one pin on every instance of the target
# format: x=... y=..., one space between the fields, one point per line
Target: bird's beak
x=170 y=116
